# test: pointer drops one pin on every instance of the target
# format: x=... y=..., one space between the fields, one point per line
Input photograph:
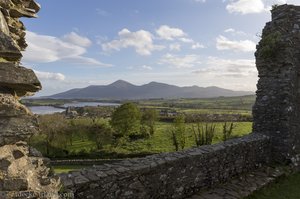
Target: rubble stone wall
x=23 y=170
x=170 y=175
x=276 y=112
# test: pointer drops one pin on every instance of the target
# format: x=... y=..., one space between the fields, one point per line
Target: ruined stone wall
x=170 y=175
x=277 y=109
x=23 y=171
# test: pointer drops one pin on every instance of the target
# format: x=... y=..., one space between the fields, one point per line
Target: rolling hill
x=125 y=90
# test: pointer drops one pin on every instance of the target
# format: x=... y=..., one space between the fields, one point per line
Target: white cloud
x=76 y=39
x=201 y=1
x=197 y=46
x=141 y=68
x=46 y=49
x=146 y=67
x=186 y=40
x=187 y=61
x=252 y=6
x=236 y=68
x=246 y=6
x=141 y=41
x=224 y=43
x=168 y=33
x=235 y=32
x=229 y=30
x=175 y=47
x=50 y=76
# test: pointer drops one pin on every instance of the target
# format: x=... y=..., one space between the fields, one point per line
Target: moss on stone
x=269 y=45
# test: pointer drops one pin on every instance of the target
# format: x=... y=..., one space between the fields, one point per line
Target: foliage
x=126 y=120
x=178 y=132
x=269 y=44
x=101 y=132
x=52 y=128
x=204 y=134
x=274 y=6
x=149 y=117
x=159 y=142
x=227 y=131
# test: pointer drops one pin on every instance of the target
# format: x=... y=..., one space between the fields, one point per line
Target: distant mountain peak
x=120 y=84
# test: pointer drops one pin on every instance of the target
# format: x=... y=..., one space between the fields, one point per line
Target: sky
x=77 y=43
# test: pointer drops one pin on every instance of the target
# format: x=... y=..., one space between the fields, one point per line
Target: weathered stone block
x=15 y=184
x=21 y=80
x=11 y=107
x=14 y=129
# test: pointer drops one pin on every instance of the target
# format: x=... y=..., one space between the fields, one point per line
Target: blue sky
x=78 y=43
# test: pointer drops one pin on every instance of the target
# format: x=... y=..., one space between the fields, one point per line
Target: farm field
x=160 y=142
x=78 y=143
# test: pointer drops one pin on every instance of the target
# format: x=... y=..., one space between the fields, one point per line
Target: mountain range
x=124 y=90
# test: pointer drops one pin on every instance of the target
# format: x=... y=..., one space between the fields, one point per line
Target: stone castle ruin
x=23 y=170
x=193 y=172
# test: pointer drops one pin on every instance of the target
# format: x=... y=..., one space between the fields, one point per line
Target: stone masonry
x=276 y=112
x=170 y=175
x=23 y=171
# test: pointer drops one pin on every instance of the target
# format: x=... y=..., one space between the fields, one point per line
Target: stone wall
x=276 y=112
x=23 y=171
x=170 y=175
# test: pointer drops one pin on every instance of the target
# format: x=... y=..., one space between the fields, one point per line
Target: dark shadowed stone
x=8 y=49
x=4 y=164
x=22 y=80
x=17 y=12
x=16 y=184
x=18 y=154
x=34 y=152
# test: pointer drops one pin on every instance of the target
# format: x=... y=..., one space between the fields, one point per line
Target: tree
x=101 y=133
x=126 y=120
x=178 y=132
x=149 y=118
x=52 y=128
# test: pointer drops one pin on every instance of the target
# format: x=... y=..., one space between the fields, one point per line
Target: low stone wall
x=170 y=175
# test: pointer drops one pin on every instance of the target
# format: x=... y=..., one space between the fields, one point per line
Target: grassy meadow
x=284 y=188
x=160 y=142
x=80 y=145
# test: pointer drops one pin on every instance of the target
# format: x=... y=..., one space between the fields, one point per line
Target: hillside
x=125 y=90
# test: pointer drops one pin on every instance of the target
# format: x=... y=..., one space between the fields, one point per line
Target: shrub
x=269 y=44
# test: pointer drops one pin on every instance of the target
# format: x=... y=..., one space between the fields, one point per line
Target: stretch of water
x=42 y=110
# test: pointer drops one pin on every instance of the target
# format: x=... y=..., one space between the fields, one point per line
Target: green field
x=244 y=103
x=67 y=168
x=160 y=142
x=284 y=188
